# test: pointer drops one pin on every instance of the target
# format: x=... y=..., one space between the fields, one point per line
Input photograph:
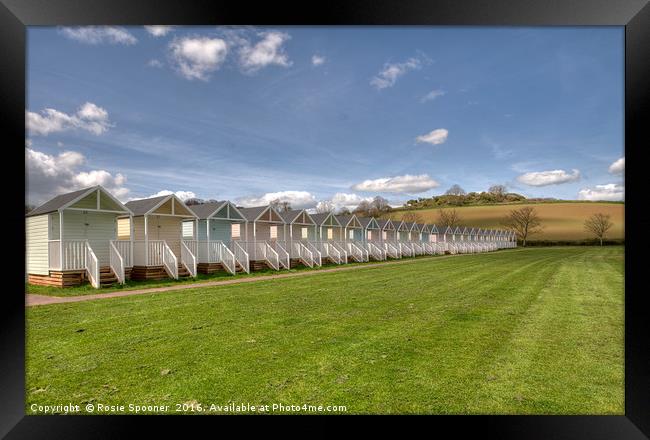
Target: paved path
x=40 y=300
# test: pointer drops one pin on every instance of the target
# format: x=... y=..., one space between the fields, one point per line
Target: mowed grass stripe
x=490 y=333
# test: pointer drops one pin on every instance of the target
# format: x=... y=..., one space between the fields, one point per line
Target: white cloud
x=197 y=57
x=618 y=166
x=345 y=200
x=388 y=76
x=434 y=137
x=99 y=34
x=317 y=60
x=297 y=199
x=608 y=192
x=155 y=63
x=49 y=175
x=183 y=195
x=398 y=184
x=433 y=94
x=553 y=177
x=89 y=117
x=28 y=142
x=159 y=31
x=268 y=51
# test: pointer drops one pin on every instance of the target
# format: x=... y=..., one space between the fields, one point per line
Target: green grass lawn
x=526 y=331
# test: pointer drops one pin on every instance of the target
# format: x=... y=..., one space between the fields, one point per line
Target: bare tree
x=524 y=222
x=448 y=217
x=363 y=209
x=412 y=217
x=455 y=190
x=344 y=211
x=498 y=190
x=280 y=205
x=379 y=205
x=598 y=225
x=324 y=207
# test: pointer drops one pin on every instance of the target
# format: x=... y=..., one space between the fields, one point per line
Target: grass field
x=525 y=331
x=561 y=221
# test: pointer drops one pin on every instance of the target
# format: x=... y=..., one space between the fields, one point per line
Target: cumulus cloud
x=49 y=175
x=399 y=184
x=608 y=192
x=618 y=166
x=89 y=117
x=553 y=177
x=434 y=137
x=433 y=94
x=391 y=72
x=317 y=60
x=266 y=52
x=297 y=199
x=183 y=195
x=159 y=31
x=197 y=57
x=99 y=35
x=344 y=200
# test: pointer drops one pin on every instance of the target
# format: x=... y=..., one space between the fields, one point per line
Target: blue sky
x=311 y=114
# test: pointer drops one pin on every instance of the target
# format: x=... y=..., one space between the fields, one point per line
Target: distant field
x=562 y=221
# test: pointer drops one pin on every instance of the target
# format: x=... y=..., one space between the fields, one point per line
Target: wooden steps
x=259 y=265
x=296 y=262
x=183 y=272
x=107 y=277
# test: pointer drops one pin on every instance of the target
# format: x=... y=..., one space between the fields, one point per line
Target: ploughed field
x=524 y=331
x=561 y=221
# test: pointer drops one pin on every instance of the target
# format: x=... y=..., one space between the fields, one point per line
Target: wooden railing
x=117 y=263
x=91 y=265
x=188 y=258
x=375 y=251
x=280 y=249
x=405 y=249
x=300 y=252
x=123 y=247
x=241 y=256
x=342 y=250
x=391 y=250
x=169 y=260
x=355 y=252
x=316 y=255
x=417 y=249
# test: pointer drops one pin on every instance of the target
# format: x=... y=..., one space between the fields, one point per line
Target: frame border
x=15 y=15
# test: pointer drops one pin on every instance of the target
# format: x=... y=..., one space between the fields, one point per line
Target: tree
x=324 y=207
x=412 y=217
x=598 y=225
x=344 y=211
x=455 y=190
x=363 y=209
x=282 y=206
x=524 y=222
x=379 y=205
x=498 y=190
x=448 y=217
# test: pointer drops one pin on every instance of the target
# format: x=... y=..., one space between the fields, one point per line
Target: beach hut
x=372 y=238
x=353 y=237
x=402 y=230
x=414 y=238
x=156 y=229
x=329 y=233
x=389 y=238
x=264 y=234
x=425 y=232
x=436 y=238
x=219 y=237
x=300 y=232
x=71 y=239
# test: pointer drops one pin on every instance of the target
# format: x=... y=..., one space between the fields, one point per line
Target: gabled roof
x=292 y=215
x=386 y=224
x=474 y=231
x=457 y=230
x=449 y=230
x=414 y=226
x=64 y=200
x=368 y=222
x=465 y=231
x=433 y=229
x=145 y=206
x=345 y=220
x=401 y=224
x=253 y=213
x=321 y=218
x=206 y=210
x=424 y=228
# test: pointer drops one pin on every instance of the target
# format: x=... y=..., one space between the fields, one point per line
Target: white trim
x=97 y=210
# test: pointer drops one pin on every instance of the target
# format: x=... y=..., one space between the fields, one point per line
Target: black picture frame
x=15 y=15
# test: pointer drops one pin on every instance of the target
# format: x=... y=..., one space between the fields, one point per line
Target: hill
x=561 y=220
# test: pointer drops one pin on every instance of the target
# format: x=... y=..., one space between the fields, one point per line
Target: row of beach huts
x=90 y=236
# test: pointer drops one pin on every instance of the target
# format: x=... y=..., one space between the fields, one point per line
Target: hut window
x=188 y=229
x=274 y=231
x=410 y=236
x=384 y=235
x=235 y=231
x=432 y=238
x=330 y=233
x=369 y=235
x=351 y=234
x=303 y=233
